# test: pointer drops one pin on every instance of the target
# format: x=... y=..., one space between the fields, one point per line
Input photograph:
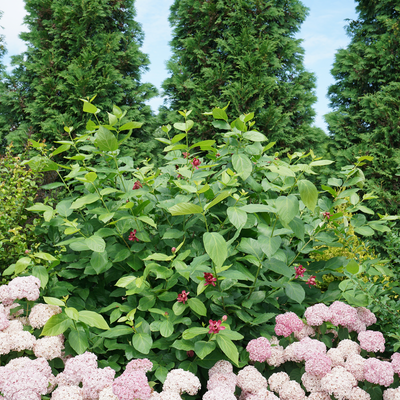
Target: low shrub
x=186 y=263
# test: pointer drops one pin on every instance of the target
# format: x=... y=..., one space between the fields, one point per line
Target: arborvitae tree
x=76 y=49
x=243 y=52
x=366 y=99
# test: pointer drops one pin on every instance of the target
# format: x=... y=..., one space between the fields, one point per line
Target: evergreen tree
x=243 y=52
x=76 y=49
x=366 y=100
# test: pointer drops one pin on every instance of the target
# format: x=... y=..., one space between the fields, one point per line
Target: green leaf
x=166 y=328
x=72 y=313
x=364 y=231
x=242 y=165
x=295 y=292
x=93 y=319
x=320 y=162
x=142 y=342
x=203 y=349
x=353 y=267
x=255 y=136
x=78 y=341
x=218 y=113
x=56 y=325
x=202 y=144
x=185 y=209
x=270 y=245
x=229 y=348
x=99 y=261
x=297 y=226
x=61 y=149
x=218 y=199
x=335 y=182
x=131 y=125
x=251 y=246
x=95 y=243
x=82 y=201
x=148 y=221
x=197 y=306
x=88 y=107
x=193 y=332
x=159 y=257
x=215 y=247
x=173 y=234
x=256 y=208
x=308 y=193
x=237 y=217
x=287 y=208
x=177 y=138
x=378 y=226
x=178 y=308
x=232 y=335
x=279 y=267
x=53 y=301
x=125 y=281
x=105 y=140
x=44 y=256
x=117 y=331
x=40 y=272
x=39 y=207
x=21 y=265
x=64 y=208
x=221 y=125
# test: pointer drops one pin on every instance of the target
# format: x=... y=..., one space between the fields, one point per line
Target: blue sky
x=323 y=34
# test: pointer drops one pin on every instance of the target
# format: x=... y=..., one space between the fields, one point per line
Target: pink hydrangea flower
x=308 y=347
x=311 y=382
x=228 y=380
x=355 y=365
x=259 y=349
x=318 y=364
x=132 y=385
x=142 y=364
x=277 y=380
x=291 y=391
x=218 y=393
x=338 y=382
x=96 y=381
x=41 y=313
x=347 y=347
x=366 y=316
x=378 y=372
x=250 y=380
x=372 y=341
x=181 y=381
x=396 y=362
x=318 y=314
x=277 y=357
x=342 y=314
x=287 y=323
x=25 y=287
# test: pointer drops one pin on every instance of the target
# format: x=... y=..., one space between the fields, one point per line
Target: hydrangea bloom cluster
x=288 y=323
x=222 y=382
x=259 y=349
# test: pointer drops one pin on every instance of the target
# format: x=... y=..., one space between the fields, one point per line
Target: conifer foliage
x=243 y=52
x=366 y=99
x=76 y=49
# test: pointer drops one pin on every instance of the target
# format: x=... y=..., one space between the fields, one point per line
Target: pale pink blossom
x=49 y=347
x=378 y=372
x=142 y=364
x=355 y=365
x=221 y=392
x=132 y=385
x=4 y=322
x=318 y=364
x=23 y=340
x=319 y=396
x=372 y=341
x=336 y=356
x=277 y=356
x=366 y=316
x=359 y=394
x=276 y=381
x=220 y=367
x=229 y=380
x=67 y=393
x=306 y=331
x=287 y=323
x=338 y=382
x=181 y=381
x=41 y=313
x=311 y=382
x=108 y=394
x=347 y=347
x=25 y=287
x=317 y=314
x=396 y=362
x=250 y=379
x=291 y=391
x=391 y=394
x=307 y=347
x=259 y=349
x=96 y=381
x=342 y=314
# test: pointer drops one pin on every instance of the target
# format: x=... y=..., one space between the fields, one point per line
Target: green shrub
x=18 y=189
x=226 y=225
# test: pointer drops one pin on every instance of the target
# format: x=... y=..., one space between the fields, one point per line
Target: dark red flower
x=190 y=353
x=299 y=271
x=196 y=162
x=183 y=297
x=209 y=277
x=185 y=154
x=311 y=281
x=326 y=214
x=132 y=236
x=137 y=185
x=215 y=326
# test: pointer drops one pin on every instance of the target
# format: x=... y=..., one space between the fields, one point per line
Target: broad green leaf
x=99 y=261
x=229 y=348
x=117 y=331
x=91 y=176
x=353 y=267
x=106 y=217
x=166 y=328
x=197 y=306
x=320 y=162
x=308 y=193
x=82 y=201
x=108 y=190
x=53 y=301
x=295 y=292
x=297 y=226
x=377 y=226
x=89 y=107
x=256 y=208
x=131 y=125
x=178 y=308
x=216 y=247
x=105 y=140
x=255 y=136
x=78 y=341
x=218 y=113
x=61 y=149
x=93 y=319
x=56 y=325
x=39 y=207
x=242 y=165
x=22 y=264
x=364 y=230
x=279 y=267
x=64 y=208
x=142 y=342
x=159 y=257
x=232 y=335
x=44 y=256
x=95 y=243
x=72 y=313
x=335 y=182
x=177 y=138
x=237 y=217
x=203 y=349
x=125 y=281
x=185 y=209
x=251 y=246
x=218 y=199
x=287 y=208
x=148 y=221
x=202 y=144
x=270 y=245
x=173 y=234
x=40 y=272
x=193 y=332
